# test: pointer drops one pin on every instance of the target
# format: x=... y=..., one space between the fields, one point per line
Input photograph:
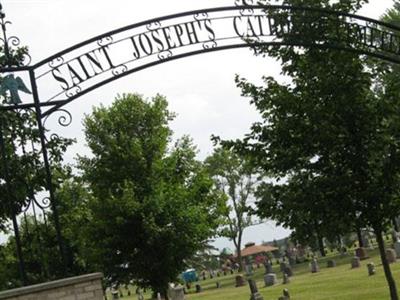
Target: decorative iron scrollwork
x=44 y=204
x=118 y=70
x=56 y=62
x=64 y=120
x=245 y=2
x=165 y=55
x=73 y=91
x=200 y=16
x=153 y=26
x=210 y=45
x=104 y=41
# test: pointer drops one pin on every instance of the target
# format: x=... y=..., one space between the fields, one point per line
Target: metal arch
x=99 y=42
x=67 y=58
x=211 y=10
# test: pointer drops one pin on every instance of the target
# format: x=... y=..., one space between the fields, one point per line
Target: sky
x=200 y=89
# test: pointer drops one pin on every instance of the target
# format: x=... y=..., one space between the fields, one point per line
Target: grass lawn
x=340 y=282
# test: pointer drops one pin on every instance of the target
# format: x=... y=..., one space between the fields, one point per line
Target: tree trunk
x=239 y=257
x=359 y=237
x=386 y=267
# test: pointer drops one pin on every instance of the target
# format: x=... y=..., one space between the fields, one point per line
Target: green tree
x=235 y=177
x=336 y=122
x=152 y=208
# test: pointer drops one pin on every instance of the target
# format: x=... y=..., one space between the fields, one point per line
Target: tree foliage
x=152 y=207
x=237 y=179
x=331 y=135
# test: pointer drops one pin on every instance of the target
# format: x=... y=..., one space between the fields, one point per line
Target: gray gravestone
x=268 y=268
x=285 y=296
x=286 y=279
x=371 y=269
x=314 y=266
x=218 y=284
x=355 y=262
x=361 y=253
x=239 y=280
x=255 y=295
x=177 y=293
x=282 y=266
x=114 y=294
x=288 y=271
x=270 y=279
x=249 y=269
x=391 y=256
x=331 y=263
x=397 y=248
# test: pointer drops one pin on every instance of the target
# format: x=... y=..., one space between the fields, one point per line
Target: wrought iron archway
x=82 y=68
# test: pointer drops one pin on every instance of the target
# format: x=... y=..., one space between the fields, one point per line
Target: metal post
x=49 y=182
x=11 y=203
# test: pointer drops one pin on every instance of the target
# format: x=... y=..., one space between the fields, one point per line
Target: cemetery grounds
x=339 y=283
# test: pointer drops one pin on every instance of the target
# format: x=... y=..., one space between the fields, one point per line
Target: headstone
x=282 y=266
x=286 y=279
x=397 y=247
x=285 y=296
x=114 y=294
x=224 y=272
x=249 y=269
x=314 y=266
x=159 y=296
x=371 y=269
x=268 y=268
x=331 y=263
x=395 y=235
x=204 y=276
x=139 y=294
x=255 y=295
x=232 y=271
x=239 y=280
x=292 y=260
x=218 y=284
x=391 y=256
x=270 y=279
x=198 y=288
x=177 y=293
x=355 y=262
x=288 y=271
x=361 y=253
